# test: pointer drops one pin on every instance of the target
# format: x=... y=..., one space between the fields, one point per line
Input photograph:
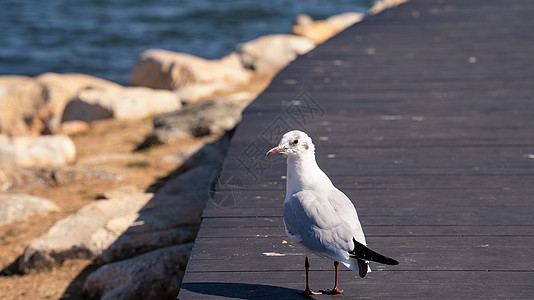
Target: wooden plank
x=413 y=253
x=377 y=284
x=376 y=231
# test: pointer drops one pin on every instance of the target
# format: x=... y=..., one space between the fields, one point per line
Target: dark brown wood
x=424 y=116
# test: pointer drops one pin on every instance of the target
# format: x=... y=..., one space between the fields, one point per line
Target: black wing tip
x=391 y=262
x=361 y=252
x=362 y=268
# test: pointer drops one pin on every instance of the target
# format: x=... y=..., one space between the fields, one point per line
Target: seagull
x=319 y=216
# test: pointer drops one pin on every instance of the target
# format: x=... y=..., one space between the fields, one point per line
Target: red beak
x=275 y=150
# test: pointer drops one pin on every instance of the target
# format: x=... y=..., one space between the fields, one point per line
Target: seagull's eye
x=295 y=142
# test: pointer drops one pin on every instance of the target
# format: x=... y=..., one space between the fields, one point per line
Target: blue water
x=104 y=38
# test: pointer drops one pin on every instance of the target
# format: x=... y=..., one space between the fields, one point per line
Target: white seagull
x=319 y=216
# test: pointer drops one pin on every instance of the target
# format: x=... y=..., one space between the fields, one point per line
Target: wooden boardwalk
x=424 y=116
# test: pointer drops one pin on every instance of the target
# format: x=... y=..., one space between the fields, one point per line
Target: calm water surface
x=104 y=38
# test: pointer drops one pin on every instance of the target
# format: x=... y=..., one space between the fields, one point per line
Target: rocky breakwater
x=141 y=239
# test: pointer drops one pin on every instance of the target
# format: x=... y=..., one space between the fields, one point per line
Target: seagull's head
x=294 y=143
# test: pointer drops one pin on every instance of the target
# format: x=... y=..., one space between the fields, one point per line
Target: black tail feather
x=361 y=252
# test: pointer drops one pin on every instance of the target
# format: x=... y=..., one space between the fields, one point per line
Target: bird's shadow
x=243 y=290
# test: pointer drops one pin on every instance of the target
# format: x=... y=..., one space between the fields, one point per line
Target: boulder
x=50 y=150
x=165 y=220
x=119 y=103
x=271 y=53
x=73 y=127
x=14 y=177
x=196 y=120
x=177 y=159
x=154 y=275
x=21 y=99
x=321 y=30
x=381 y=5
x=61 y=88
x=121 y=192
x=85 y=234
x=174 y=214
x=201 y=78
x=168 y=223
x=15 y=207
x=33 y=106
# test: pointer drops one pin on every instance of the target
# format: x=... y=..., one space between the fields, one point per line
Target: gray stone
x=196 y=120
x=120 y=103
x=60 y=89
x=16 y=207
x=85 y=234
x=271 y=53
x=153 y=275
x=21 y=99
x=14 y=177
x=121 y=192
x=177 y=159
x=165 y=220
x=193 y=78
x=50 y=150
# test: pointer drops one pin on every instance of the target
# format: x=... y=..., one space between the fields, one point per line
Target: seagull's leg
x=335 y=290
x=307 y=291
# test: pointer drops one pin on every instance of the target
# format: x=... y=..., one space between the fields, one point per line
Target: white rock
x=271 y=53
x=154 y=275
x=120 y=103
x=344 y=20
x=85 y=234
x=121 y=192
x=61 y=88
x=321 y=30
x=177 y=159
x=381 y=5
x=48 y=150
x=163 y=69
x=165 y=220
x=196 y=120
x=15 y=207
x=21 y=99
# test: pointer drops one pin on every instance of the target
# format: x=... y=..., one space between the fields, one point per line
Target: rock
x=196 y=92
x=177 y=159
x=169 y=221
x=21 y=99
x=196 y=120
x=381 y=5
x=110 y=158
x=51 y=150
x=317 y=31
x=15 y=177
x=73 y=127
x=155 y=275
x=271 y=53
x=33 y=106
x=119 y=103
x=85 y=234
x=173 y=216
x=121 y=192
x=61 y=88
x=15 y=207
x=203 y=78
x=165 y=220
x=345 y=20
x=198 y=178
x=321 y=30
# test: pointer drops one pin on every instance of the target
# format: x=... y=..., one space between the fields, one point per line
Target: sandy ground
x=105 y=137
